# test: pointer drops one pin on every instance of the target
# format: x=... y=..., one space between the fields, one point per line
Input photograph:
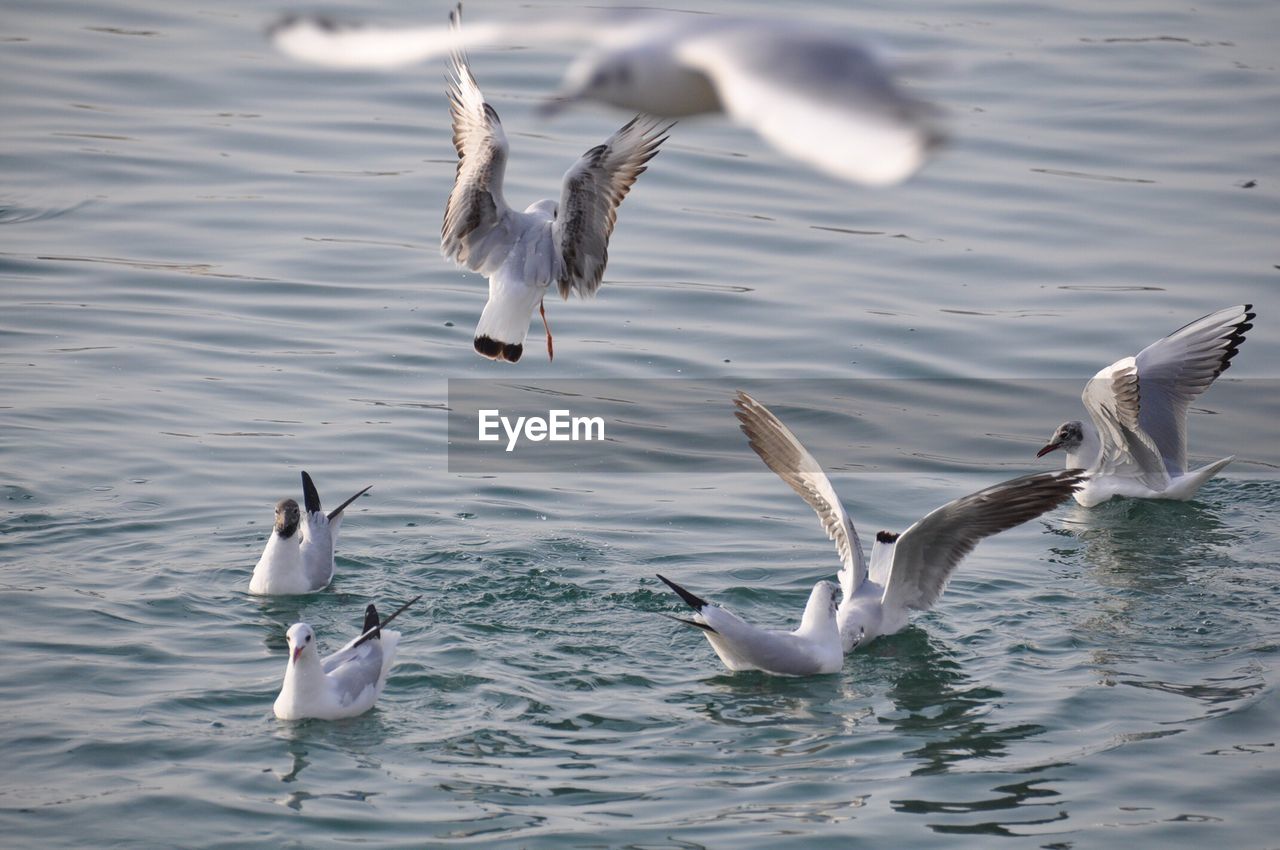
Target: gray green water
x=218 y=268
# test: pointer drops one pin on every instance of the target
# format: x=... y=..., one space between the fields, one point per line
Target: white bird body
x=907 y=571
x=344 y=684
x=299 y=555
x=812 y=648
x=809 y=91
x=1134 y=444
x=522 y=254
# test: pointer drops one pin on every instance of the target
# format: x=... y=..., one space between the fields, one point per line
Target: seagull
x=1136 y=445
x=814 y=647
x=522 y=254
x=907 y=571
x=299 y=558
x=812 y=93
x=344 y=684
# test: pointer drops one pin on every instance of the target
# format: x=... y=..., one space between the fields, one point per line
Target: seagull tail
x=504 y=323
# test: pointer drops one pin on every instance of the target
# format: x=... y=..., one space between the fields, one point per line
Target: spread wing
x=782 y=452
x=816 y=97
x=593 y=189
x=1113 y=399
x=477 y=230
x=928 y=552
x=1174 y=371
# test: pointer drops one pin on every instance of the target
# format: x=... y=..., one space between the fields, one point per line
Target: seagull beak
x=297 y=653
x=1048 y=448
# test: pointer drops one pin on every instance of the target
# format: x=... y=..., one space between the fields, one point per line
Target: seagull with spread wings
x=907 y=571
x=1136 y=444
x=522 y=254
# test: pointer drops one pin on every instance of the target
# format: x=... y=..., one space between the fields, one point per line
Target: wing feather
x=477 y=227
x=593 y=189
x=782 y=452
x=928 y=552
x=1174 y=371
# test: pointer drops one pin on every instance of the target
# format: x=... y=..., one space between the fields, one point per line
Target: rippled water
x=220 y=267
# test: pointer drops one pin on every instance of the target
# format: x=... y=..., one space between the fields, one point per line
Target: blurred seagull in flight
x=811 y=93
x=1136 y=443
x=907 y=571
x=522 y=254
x=298 y=557
x=814 y=647
x=344 y=684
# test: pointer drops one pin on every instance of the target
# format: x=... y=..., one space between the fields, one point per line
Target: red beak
x=1044 y=451
x=297 y=653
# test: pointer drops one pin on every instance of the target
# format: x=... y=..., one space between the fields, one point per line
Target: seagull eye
x=308 y=638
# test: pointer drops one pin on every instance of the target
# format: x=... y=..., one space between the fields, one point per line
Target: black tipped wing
x=692 y=601
x=340 y=508
x=310 y=495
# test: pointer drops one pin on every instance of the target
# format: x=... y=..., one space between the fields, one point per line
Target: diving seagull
x=344 y=684
x=809 y=91
x=298 y=557
x=814 y=647
x=522 y=254
x=907 y=571
x=1136 y=443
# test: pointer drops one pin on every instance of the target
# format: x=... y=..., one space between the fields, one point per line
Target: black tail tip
x=487 y=346
x=886 y=537
x=371 y=621
x=694 y=602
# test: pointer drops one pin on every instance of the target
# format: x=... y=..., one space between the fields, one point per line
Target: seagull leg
x=551 y=351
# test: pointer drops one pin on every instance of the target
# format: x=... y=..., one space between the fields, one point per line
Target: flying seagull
x=809 y=91
x=298 y=557
x=1136 y=443
x=907 y=571
x=814 y=647
x=344 y=684
x=522 y=254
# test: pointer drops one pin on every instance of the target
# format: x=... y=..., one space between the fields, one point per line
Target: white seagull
x=1136 y=445
x=344 y=684
x=298 y=557
x=811 y=92
x=522 y=254
x=908 y=571
x=814 y=647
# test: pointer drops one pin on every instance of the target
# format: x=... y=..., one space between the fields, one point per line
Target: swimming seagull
x=1136 y=444
x=344 y=684
x=298 y=557
x=814 y=647
x=524 y=253
x=907 y=571
x=812 y=93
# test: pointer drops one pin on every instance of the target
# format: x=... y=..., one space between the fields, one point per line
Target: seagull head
x=287 y=517
x=1068 y=436
x=301 y=639
x=822 y=604
x=606 y=77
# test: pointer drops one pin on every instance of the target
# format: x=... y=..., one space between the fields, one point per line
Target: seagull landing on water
x=809 y=91
x=814 y=647
x=1136 y=444
x=299 y=555
x=908 y=571
x=522 y=254
x=344 y=684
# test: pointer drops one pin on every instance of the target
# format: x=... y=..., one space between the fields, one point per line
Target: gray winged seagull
x=811 y=92
x=298 y=557
x=1135 y=443
x=522 y=254
x=813 y=647
x=343 y=684
x=907 y=571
